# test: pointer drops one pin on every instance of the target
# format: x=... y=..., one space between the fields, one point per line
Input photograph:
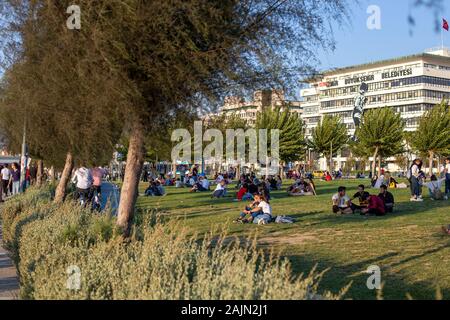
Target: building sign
x=395 y=74
x=360 y=79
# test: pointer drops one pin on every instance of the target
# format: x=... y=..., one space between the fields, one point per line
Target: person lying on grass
x=260 y=210
x=341 y=202
x=446 y=229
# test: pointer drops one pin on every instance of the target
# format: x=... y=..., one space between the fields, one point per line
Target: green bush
x=19 y=210
x=159 y=261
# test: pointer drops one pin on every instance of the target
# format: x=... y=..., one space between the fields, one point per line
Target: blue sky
x=357 y=44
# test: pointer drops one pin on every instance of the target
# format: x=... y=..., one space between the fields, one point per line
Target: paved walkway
x=9 y=283
x=110 y=193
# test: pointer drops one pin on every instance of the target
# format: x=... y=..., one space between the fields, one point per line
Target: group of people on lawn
x=302 y=187
x=377 y=205
x=417 y=179
x=250 y=188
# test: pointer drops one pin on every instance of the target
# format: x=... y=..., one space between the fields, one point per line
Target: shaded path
x=110 y=194
x=9 y=283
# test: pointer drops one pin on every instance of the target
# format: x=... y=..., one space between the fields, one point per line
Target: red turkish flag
x=445 y=24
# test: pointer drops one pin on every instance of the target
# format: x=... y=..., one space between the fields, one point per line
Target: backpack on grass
x=284 y=219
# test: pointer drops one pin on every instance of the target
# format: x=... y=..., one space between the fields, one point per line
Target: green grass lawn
x=408 y=246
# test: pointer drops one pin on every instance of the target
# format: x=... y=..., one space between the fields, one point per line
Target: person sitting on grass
x=260 y=211
x=252 y=188
x=272 y=183
x=434 y=187
x=375 y=207
x=179 y=183
x=243 y=193
x=362 y=196
x=388 y=199
x=279 y=182
x=304 y=188
x=298 y=184
x=446 y=230
x=392 y=183
x=201 y=185
x=341 y=202
x=155 y=189
x=220 y=191
x=264 y=190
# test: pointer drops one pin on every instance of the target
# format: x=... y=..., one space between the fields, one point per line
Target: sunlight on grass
x=413 y=255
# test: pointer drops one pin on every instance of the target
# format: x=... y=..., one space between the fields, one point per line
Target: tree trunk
x=431 y=157
x=374 y=162
x=130 y=187
x=60 y=193
x=379 y=165
x=52 y=174
x=174 y=170
x=40 y=173
x=238 y=172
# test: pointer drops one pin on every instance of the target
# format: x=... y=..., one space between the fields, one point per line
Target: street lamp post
x=23 y=161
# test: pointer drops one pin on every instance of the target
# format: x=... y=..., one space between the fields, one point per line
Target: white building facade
x=409 y=85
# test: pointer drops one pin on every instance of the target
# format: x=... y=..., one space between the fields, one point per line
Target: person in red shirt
x=375 y=207
x=243 y=193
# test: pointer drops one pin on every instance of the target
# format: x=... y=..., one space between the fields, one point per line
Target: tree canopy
x=329 y=134
x=380 y=134
x=433 y=134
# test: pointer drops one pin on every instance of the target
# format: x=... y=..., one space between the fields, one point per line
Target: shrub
x=20 y=210
x=160 y=261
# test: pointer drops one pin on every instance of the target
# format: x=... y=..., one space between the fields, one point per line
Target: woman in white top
x=262 y=212
x=414 y=174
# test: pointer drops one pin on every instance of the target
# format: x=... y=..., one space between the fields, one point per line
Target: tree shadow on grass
x=395 y=286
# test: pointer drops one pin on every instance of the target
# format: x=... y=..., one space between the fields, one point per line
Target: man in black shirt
x=387 y=198
x=363 y=197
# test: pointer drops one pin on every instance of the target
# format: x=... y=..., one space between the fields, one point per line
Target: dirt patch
x=291 y=239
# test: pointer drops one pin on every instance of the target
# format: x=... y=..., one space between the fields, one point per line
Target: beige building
x=262 y=99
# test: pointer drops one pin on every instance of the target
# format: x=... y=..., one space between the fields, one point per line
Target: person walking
x=6 y=175
x=83 y=181
x=97 y=177
x=15 y=179
x=33 y=174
